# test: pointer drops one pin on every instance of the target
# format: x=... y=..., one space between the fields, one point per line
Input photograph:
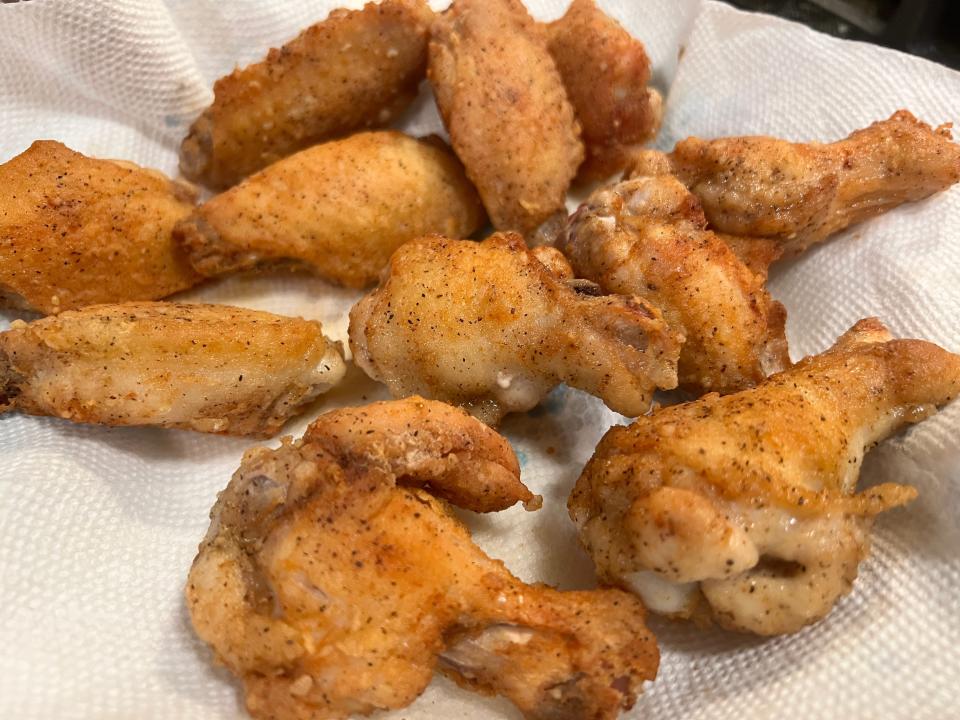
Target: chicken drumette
x=488 y=326
x=800 y=194
x=332 y=583
x=648 y=237
x=356 y=201
x=743 y=508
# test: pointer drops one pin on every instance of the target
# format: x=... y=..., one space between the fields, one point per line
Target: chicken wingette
x=337 y=210
x=605 y=71
x=357 y=69
x=210 y=368
x=505 y=107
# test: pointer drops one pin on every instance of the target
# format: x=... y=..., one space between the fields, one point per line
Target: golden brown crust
x=752 y=497
x=758 y=254
x=356 y=69
x=554 y=261
x=648 y=237
x=491 y=328
x=800 y=194
x=332 y=585
x=366 y=195
x=210 y=368
x=504 y=105
x=427 y=444
x=78 y=231
x=605 y=71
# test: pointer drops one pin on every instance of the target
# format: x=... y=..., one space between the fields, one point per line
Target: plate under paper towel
x=98 y=526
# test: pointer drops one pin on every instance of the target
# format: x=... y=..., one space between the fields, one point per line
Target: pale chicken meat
x=606 y=72
x=744 y=508
x=337 y=210
x=648 y=237
x=78 y=231
x=504 y=105
x=210 y=368
x=333 y=582
x=802 y=193
x=357 y=69
x=489 y=327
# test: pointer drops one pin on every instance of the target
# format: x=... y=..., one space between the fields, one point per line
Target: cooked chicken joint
x=489 y=327
x=801 y=194
x=743 y=508
x=332 y=585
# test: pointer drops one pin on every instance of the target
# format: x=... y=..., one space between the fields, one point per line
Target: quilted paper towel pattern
x=98 y=526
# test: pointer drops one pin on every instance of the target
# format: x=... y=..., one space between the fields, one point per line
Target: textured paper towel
x=98 y=526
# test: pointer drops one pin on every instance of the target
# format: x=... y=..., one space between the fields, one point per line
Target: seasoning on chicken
x=357 y=69
x=333 y=583
x=210 y=368
x=338 y=209
x=743 y=508
x=503 y=103
x=78 y=231
x=489 y=327
x=801 y=194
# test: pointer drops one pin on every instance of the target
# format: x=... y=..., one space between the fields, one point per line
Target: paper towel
x=98 y=526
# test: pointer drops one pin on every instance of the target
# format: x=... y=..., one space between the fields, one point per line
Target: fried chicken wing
x=78 y=231
x=489 y=327
x=338 y=209
x=800 y=194
x=605 y=71
x=332 y=584
x=210 y=368
x=356 y=69
x=743 y=508
x=648 y=237
x=504 y=105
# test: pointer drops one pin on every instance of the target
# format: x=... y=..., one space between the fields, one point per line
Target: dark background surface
x=929 y=28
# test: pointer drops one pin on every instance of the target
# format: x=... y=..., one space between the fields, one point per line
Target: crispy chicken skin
x=756 y=253
x=210 y=368
x=504 y=105
x=801 y=194
x=489 y=327
x=356 y=69
x=605 y=71
x=78 y=231
x=338 y=209
x=433 y=445
x=554 y=261
x=648 y=237
x=333 y=584
x=743 y=508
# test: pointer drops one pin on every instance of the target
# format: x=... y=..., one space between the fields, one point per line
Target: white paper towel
x=98 y=526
